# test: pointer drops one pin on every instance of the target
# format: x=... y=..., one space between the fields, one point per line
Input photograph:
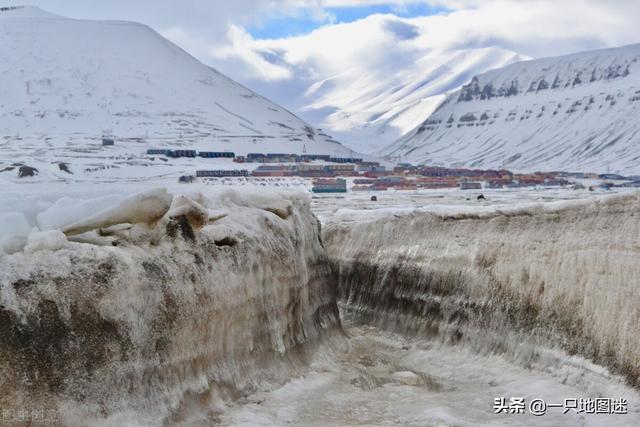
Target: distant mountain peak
x=576 y=112
x=83 y=76
x=367 y=107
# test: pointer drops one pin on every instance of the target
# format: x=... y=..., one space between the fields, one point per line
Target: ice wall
x=501 y=281
x=159 y=308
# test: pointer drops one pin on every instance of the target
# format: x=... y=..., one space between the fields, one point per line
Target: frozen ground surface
x=455 y=387
x=379 y=378
x=34 y=194
x=353 y=205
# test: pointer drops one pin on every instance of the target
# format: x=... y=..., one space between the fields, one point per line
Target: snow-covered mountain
x=370 y=109
x=69 y=80
x=575 y=112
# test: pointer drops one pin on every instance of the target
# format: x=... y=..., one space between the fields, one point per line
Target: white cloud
x=242 y=48
x=341 y=75
x=533 y=27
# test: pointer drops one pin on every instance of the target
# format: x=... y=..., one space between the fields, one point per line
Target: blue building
x=216 y=155
x=221 y=173
x=183 y=153
x=159 y=151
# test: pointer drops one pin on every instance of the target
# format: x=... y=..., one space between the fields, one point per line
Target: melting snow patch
x=14 y=228
x=69 y=210
x=51 y=240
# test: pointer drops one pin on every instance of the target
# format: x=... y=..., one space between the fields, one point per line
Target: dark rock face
x=64 y=167
x=27 y=171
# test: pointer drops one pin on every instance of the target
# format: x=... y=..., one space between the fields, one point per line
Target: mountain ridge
x=366 y=109
x=71 y=77
x=577 y=111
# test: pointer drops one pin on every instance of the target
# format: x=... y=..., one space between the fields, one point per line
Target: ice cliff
x=158 y=307
x=565 y=276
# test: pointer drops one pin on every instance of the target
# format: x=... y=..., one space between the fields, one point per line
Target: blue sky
x=306 y=21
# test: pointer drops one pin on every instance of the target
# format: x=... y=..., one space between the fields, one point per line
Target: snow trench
x=160 y=308
x=504 y=282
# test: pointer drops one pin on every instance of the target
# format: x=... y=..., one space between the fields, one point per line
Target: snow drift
x=501 y=281
x=159 y=308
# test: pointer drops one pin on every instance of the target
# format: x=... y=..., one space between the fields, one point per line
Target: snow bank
x=562 y=275
x=452 y=209
x=14 y=228
x=178 y=314
x=264 y=198
x=145 y=207
x=52 y=240
x=68 y=210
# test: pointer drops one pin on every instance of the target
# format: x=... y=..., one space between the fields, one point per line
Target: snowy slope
x=69 y=80
x=369 y=109
x=576 y=112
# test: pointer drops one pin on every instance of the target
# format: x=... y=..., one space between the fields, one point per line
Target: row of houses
x=297 y=158
x=518 y=182
x=441 y=172
x=254 y=157
x=443 y=182
x=337 y=185
x=222 y=173
x=305 y=170
x=190 y=153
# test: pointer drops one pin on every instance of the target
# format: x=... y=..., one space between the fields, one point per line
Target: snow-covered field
x=22 y=200
x=94 y=164
x=357 y=205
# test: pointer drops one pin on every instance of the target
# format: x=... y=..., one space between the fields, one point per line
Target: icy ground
x=353 y=205
x=379 y=378
x=23 y=200
x=455 y=387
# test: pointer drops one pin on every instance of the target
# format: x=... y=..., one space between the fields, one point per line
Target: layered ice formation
x=499 y=281
x=159 y=308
